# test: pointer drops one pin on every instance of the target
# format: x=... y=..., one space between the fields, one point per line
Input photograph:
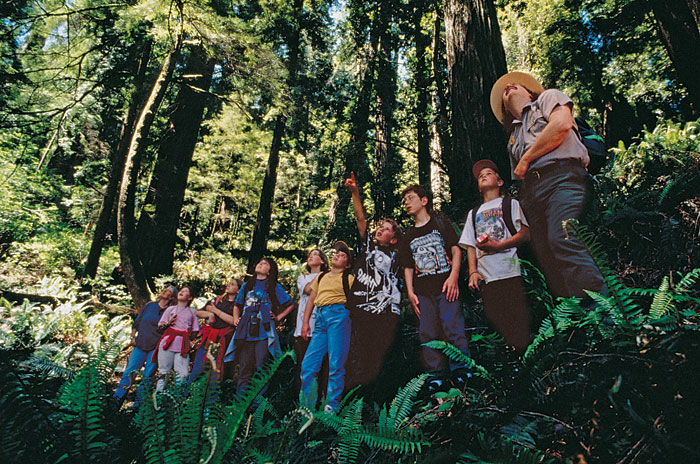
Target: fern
x=624 y=309
x=402 y=404
x=455 y=354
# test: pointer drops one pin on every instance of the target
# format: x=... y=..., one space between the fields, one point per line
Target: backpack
x=594 y=143
x=346 y=282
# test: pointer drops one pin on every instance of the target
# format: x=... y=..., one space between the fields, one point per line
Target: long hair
x=239 y=282
x=324 y=259
x=270 y=285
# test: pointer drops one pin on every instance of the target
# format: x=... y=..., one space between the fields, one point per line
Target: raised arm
x=351 y=185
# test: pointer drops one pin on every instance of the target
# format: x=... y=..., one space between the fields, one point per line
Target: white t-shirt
x=489 y=220
x=302 y=280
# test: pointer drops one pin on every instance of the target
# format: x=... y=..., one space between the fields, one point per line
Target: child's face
x=340 y=259
x=385 y=234
x=488 y=179
x=184 y=294
x=414 y=203
x=262 y=268
x=314 y=259
x=232 y=288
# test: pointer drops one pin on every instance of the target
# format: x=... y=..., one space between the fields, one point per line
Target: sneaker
x=460 y=377
x=434 y=384
x=328 y=409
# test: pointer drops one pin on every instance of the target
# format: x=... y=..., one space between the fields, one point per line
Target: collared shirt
x=534 y=118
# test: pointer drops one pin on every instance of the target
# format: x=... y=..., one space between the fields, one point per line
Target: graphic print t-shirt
x=426 y=249
x=376 y=286
x=489 y=220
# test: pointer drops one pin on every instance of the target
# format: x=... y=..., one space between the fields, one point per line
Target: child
x=173 y=351
x=431 y=260
x=144 y=339
x=316 y=262
x=332 y=332
x=255 y=337
x=492 y=257
x=219 y=315
x=374 y=297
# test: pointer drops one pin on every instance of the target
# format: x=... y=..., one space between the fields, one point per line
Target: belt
x=550 y=169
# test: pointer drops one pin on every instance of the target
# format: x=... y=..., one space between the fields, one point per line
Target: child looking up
x=374 y=297
x=431 y=260
x=492 y=257
x=316 y=262
x=173 y=351
x=219 y=315
x=332 y=332
x=255 y=337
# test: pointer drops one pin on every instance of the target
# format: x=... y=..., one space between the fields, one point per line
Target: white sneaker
x=329 y=409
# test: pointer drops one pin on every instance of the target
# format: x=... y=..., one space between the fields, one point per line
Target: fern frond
x=625 y=307
x=408 y=440
x=403 y=402
x=455 y=354
x=688 y=280
x=662 y=304
x=236 y=412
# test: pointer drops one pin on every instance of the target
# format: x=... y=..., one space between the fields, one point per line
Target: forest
x=146 y=143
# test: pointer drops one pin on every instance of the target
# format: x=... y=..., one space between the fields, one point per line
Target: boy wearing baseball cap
x=491 y=239
x=329 y=291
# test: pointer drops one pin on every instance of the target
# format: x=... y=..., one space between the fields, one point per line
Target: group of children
x=349 y=308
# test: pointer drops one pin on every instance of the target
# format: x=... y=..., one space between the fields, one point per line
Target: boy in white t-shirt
x=493 y=259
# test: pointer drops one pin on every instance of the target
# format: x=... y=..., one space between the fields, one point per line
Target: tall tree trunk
x=422 y=79
x=441 y=127
x=160 y=216
x=476 y=59
x=131 y=266
x=261 y=232
x=258 y=247
x=116 y=171
x=679 y=33
x=385 y=162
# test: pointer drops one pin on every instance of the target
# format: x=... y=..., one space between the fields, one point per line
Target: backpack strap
x=346 y=282
x=507 y=206
x=473 y=213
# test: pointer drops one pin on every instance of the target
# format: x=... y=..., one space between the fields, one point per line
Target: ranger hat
x=515 y=77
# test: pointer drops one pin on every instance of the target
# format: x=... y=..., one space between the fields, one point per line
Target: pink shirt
x=186 y=319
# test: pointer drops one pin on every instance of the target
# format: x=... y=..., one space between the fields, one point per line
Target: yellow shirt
x=331 y=290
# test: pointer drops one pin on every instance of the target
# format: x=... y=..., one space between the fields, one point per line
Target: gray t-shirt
x=534 y=118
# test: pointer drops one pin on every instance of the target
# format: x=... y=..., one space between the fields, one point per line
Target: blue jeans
x=441 y=320
x=137 y=359
x=332 y=336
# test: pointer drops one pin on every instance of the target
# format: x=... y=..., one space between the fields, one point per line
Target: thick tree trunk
x=679 y=33
x=441 y=126
x=109 y=202
x=476 y=59
x=422 y=79
x=160 y=217
x=131 y=266
x=385 y=156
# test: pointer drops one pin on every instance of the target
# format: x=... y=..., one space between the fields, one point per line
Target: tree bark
x=422 y=79
x=679 y=33
x=385 y=162
x=160 y=216
x=475 y=59
x=109 y=201
x=441 y=126
x=131 y=266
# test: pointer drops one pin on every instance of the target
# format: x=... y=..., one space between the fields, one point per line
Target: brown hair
x=239 y=282
x=395 y=227
x=421 y=192
x=324 y=259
